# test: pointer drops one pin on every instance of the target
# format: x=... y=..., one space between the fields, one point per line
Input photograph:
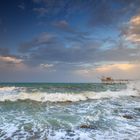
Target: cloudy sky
x=69 y=40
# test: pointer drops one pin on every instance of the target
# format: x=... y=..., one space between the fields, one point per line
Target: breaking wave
x=17 y=93
x=95 y=119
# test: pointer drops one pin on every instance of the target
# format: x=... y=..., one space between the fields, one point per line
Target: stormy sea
x=70 y=111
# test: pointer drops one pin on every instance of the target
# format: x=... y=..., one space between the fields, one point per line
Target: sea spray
x=59 y=111
x=17 y=93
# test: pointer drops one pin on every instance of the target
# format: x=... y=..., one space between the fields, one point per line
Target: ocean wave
x=132 y=90
x=7 y=89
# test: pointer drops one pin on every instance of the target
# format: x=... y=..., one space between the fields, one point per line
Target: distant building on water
x=110 y=80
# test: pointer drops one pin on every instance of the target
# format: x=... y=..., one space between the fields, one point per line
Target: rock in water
x=127 y=116
x=87 y=126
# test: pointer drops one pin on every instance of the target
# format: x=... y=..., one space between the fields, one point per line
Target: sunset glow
x=122 y=67
x=68 y=40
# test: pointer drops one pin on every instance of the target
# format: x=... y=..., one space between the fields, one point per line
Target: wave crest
x=132 y=90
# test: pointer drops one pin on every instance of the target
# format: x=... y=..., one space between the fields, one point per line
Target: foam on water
x=15 y=93
x=61 y=121
x=7 y=89
x=75 y=135
x=106 y=118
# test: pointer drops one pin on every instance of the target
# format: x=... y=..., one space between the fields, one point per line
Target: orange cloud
x=107 y=68
x=133 y=31
x=135 y=20
x=122 y=67
x=10 y=59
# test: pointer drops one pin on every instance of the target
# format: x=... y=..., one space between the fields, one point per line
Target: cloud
x=72 y=34
x=46 y=66
x=51 y=48
x=118 y=70
x=39 y=41
x=9 y=59
x=102 y=14
x=53 y=7
x=111 y=13
x=61 y=24
x=21 y=6
x=41 y=11
x=121 y=66
x=75 y=45
x=132 y=30
x=59 y=52
x=99 y=13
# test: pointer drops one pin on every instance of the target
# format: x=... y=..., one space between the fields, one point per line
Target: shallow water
x=69 y=111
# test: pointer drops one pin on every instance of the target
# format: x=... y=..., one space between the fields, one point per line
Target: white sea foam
x=7 y=89
x=106 y=116
x=8 y=129
x=135 y=85
x=59 y=135
x=132 y=90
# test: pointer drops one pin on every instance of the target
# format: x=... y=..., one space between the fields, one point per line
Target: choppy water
x=31 y=111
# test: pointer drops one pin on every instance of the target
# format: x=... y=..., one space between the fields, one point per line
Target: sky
x=69 y=40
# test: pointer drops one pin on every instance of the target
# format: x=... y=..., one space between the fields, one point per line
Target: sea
x=70 y=111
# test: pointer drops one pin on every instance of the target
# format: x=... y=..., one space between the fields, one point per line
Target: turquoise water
x=65 y=87
x=40 y=111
